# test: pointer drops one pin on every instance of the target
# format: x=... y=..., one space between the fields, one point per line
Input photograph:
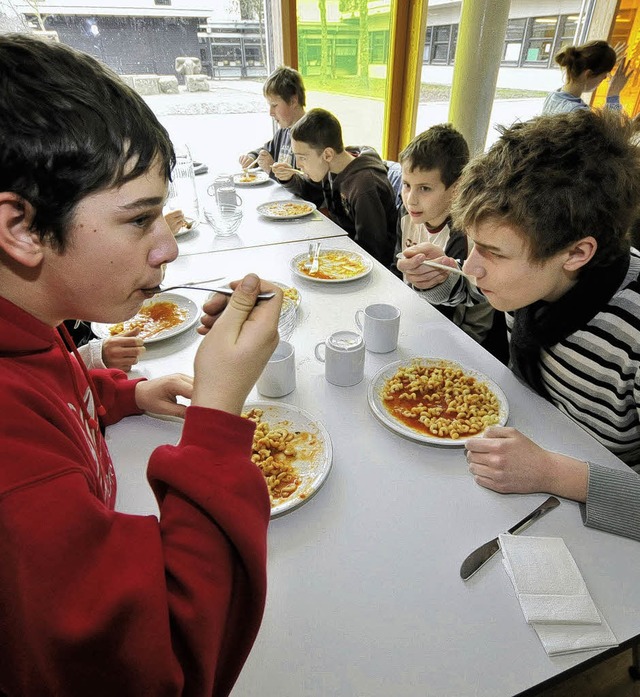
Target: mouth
x=150 y=291
x=415 y=214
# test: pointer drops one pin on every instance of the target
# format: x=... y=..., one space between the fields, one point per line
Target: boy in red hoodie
x=94 y=602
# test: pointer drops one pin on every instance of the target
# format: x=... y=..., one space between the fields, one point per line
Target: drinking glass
x=182 y=187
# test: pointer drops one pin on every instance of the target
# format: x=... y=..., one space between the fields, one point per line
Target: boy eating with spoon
x=549 y=208
x=95 y=602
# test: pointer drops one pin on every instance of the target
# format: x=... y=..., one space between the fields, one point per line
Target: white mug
x=223 y=190
x=343 y=357
x=379 y=324
x=279 y=375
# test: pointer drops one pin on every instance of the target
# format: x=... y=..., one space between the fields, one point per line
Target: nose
x=411 y=195
x=473 y=265
x=166 y=248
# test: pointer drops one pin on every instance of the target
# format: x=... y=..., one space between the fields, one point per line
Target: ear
x=580 y=253
x=328 y=154
x=16 y=238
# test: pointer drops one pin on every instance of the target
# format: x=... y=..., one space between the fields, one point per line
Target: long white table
x=255 y=230
x=364 y=593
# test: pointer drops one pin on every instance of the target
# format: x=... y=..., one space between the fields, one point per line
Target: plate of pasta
x=293 y=450
x=289 y=292
x=253 y=177
x=159 y=318
x=286 y=210
x=334 y=266
x=436 y=401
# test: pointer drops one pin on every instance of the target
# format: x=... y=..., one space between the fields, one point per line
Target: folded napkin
x=553 y=595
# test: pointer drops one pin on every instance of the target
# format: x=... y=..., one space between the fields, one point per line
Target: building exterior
x=146 y=36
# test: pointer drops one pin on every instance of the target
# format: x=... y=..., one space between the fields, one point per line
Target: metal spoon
x=196 y=286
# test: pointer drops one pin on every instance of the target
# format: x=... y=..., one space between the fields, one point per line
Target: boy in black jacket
x=356 y=189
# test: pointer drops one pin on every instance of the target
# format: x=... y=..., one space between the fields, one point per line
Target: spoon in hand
x=150 y=292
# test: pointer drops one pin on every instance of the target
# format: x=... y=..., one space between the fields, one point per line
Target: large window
x=513 y=41
x=343 y=53
x=540 y=41
x=529 y=41
x=199 y=64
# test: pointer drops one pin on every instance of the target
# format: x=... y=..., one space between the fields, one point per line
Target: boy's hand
x=122 y=350
x=175 y=220
x=245 y=160
x=265 y=161
x=158 y=396
x=424 y=277
x=506 y=461
x=241 y=335
x=283 y=171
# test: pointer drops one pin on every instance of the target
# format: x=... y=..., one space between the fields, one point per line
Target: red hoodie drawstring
x=67 y=344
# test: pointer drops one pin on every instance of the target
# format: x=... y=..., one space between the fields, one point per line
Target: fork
x=314 y=257
x=196 y=286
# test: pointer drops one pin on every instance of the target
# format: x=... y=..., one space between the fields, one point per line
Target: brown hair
x=285 y=83
x=440 y=147
x=596 y=56
x=319 y=129
x=70 y=127
x=557 y=179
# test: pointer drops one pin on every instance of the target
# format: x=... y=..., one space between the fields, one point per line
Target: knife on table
x=481 y=556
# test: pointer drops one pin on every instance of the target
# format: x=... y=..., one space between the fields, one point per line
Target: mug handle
x=359 y=318
x=238 y=200
x=317 y=351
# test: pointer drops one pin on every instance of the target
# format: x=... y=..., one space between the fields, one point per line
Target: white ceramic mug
x=223 y=190
x=343 y=357
x=279 y=375
x=379 y=324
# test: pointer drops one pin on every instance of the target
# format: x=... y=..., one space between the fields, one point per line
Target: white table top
x=255 y=230
x=364 y=593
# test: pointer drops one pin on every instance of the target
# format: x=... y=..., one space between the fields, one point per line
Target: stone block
x=146 y=84
x=197 y=83
x=128 y=80
x=168 y=84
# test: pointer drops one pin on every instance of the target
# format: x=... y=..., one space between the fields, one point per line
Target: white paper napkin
x=553 y=595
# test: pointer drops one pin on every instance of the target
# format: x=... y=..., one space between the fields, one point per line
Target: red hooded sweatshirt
x=94 y=602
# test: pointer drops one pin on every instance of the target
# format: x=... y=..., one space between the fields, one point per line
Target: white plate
x=193 y=314
x=314 y=471
x=261 y=177
x=284 y=286
x=184 y=230
x=269 y=209
x=368 y=264
x=378 y=409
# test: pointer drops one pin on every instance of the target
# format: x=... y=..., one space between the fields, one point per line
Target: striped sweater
x=593 y=376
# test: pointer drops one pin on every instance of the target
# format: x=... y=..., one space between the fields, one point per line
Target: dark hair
x=319 y=129
x=596 y=56
x=440 y=147
x=69 y=127
x=557 y=179
x=285 y=83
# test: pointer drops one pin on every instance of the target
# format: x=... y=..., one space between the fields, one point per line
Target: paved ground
x=232 y=118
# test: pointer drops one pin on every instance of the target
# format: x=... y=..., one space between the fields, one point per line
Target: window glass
x=343 y=54
x=527 y=73
x=199 y=65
